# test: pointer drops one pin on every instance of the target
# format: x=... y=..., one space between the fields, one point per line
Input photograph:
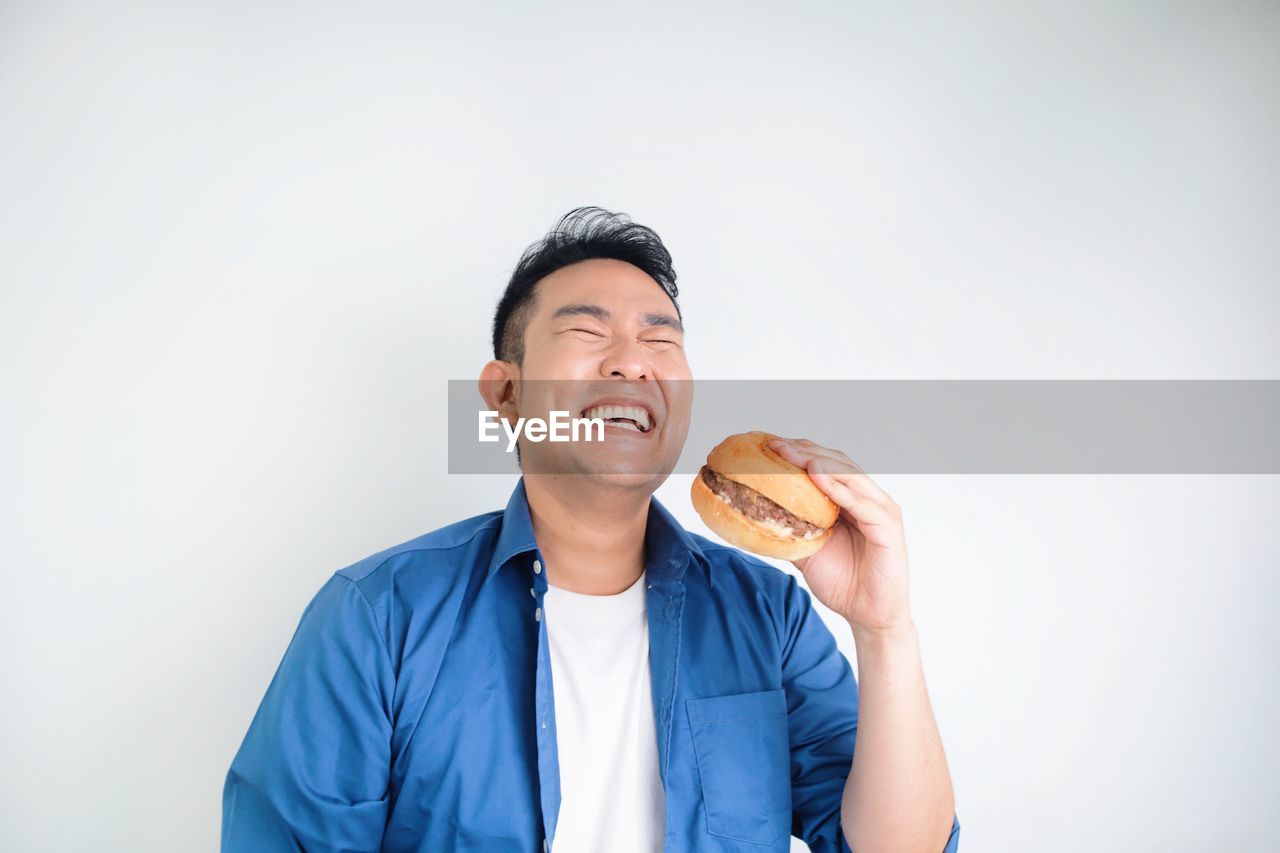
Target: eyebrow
x=603 y=315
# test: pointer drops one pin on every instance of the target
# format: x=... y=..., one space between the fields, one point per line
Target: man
x=578 y=672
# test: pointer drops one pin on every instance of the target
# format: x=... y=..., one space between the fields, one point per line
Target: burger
x=758 y=501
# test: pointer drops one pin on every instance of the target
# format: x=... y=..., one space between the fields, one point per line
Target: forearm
x=898 y=796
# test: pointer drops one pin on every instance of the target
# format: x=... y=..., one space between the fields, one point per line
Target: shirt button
x=537 y=614
x=537 y=567
x=533 y=591
x=546 y=844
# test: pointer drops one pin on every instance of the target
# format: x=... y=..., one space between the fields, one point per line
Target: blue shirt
x=413 y=709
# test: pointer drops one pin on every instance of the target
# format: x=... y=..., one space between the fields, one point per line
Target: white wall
x=245 y=245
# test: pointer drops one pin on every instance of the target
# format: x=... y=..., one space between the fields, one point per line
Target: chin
x=628 y=474
x=608 y=469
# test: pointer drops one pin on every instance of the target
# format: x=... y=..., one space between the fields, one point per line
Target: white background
x=246 y=244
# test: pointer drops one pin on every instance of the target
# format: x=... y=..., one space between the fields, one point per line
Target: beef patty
x=754 y=505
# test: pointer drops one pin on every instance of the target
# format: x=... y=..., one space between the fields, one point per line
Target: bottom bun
x=748 y=534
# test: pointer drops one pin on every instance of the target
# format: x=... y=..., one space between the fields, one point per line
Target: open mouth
x=636 y=418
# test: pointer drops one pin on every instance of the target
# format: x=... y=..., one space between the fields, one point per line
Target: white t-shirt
x=611 y=796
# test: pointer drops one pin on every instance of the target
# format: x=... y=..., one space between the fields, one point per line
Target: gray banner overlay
x=951 y=426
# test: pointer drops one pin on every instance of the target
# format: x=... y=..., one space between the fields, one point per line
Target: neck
x=592 y=535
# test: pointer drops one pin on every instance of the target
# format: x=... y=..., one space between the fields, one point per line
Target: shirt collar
x=670 y=546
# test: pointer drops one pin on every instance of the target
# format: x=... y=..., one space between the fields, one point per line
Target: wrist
x=896 y=635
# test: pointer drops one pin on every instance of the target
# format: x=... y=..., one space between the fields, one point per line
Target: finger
x=848 y=491
x=842 y=467
x=805 y=447
x=868 y=513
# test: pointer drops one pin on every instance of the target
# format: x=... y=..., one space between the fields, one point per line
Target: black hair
x=581 y=234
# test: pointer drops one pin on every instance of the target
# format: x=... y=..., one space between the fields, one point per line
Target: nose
x=627 y=360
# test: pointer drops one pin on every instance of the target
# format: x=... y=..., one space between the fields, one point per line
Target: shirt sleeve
x=822 y=715
x=312 y=773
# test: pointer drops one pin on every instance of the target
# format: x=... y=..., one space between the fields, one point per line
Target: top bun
x=748 y=459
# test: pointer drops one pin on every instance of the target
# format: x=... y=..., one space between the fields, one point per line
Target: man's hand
x=861 y=573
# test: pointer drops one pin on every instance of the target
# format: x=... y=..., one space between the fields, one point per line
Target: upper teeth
x=635 y=413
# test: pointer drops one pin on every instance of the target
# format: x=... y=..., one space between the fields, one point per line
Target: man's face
x=607 y=334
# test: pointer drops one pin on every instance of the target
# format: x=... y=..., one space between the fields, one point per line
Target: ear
x=497 y=385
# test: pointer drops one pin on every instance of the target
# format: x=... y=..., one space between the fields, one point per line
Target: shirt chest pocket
x=744 y=764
